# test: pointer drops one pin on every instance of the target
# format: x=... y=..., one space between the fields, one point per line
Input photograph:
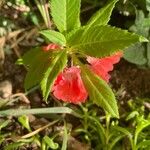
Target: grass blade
x=49 y=110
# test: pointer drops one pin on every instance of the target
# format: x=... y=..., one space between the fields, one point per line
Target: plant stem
x=43 y=10
x=107 y=129
x=47 y=14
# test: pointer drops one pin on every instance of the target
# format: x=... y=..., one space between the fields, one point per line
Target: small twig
x=9 y=36
x=17 y=41
x=88 y=8
x=41 y=7
x=47 y=14
x=31 y=90
x=22 y=95
x=13 y=34
x=39 y=130
x=16 y=51
x=31 y=33
x=147 y=105
x=2 y=54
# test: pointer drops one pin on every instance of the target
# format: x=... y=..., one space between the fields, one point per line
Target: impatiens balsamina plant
x=74 y=65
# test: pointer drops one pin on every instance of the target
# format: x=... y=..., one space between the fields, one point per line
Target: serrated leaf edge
x=45 y=79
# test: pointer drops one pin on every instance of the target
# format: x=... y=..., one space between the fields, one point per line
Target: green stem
x=100 y=127
x=107 y=128
x=65 y=137
x=41 y=8
x=85 y=117
x=47 y=14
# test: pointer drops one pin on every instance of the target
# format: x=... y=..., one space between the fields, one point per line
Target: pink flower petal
x=69 y=86
x=102 y=66
x=50 y=46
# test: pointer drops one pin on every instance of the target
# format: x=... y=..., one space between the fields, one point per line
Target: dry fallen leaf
x=2 y=55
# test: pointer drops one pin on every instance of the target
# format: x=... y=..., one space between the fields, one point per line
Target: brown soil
x=134 y=81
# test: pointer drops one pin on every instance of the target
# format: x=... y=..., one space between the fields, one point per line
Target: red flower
x=102 y=66
x=69 y=86
x=50 y=46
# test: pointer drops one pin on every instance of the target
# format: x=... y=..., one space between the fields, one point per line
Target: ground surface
x=133 y=80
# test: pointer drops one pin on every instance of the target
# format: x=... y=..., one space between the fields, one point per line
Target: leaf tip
x=143 y=39
x=115 y=114
x=19 y=61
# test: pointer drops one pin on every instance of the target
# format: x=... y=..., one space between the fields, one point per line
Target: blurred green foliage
x=140 y=53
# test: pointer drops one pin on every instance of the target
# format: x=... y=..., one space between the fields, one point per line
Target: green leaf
x=115 y=141
x=14 y=146
x=51 y=144
x=65 y=14
x=148 y=5
x=136 y=54
x=99 y=92
x=54 y=37
x=37 y=62
x=55 y=67
x=74 y=36
x=142 y=24
x=144 y=144
x=141 y=125
x=99 y=128
x=102 y=16
x=3 y=124
x=132 y=115
x=25 y=122
x=27 y=58
x=101 y=41
x=122 y=130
